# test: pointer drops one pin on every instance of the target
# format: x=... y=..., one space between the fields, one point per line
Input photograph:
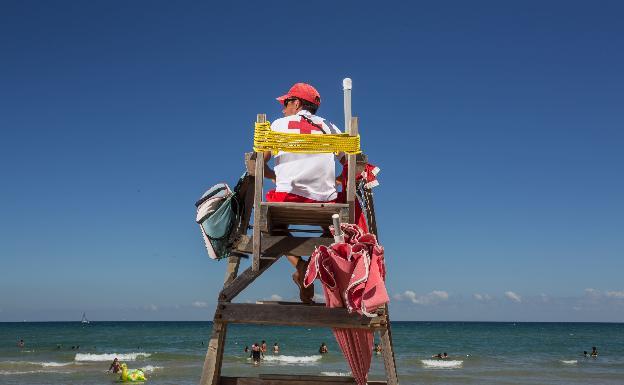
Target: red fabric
x=360 y=218
x=278 y=196
x=370 y=174
x=353 y=275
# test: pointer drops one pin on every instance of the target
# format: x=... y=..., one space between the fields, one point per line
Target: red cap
x=302 y=91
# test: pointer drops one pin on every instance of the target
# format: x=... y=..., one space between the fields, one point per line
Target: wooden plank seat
x=282 y=214
x=295 y=314
x=289 y=379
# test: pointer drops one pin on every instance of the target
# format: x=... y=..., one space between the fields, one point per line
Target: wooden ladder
x=266 y=249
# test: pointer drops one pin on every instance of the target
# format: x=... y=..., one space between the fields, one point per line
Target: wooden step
x=295 y=314
x=289 y=379
x=285 y=245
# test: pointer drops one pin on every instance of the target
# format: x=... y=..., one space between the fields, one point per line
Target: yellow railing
x=267 y=140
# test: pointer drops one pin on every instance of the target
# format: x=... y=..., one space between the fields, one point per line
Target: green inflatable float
x=132 y=375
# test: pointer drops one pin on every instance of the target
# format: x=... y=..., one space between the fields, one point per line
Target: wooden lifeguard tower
x=266 y=248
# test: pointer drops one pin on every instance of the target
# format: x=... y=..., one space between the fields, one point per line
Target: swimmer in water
x=115 y=366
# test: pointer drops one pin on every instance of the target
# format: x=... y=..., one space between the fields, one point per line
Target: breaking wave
x=336 y=374
x=442 y=364
x=51 y=364
x=18 y=372
x=110 y=356
x=150 y=368
x=569 y=362
x=290 y=360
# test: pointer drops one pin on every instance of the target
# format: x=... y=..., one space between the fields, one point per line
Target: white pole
x=347 y=84
x=338 y=236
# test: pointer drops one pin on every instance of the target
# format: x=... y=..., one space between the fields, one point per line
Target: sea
x=173 y=352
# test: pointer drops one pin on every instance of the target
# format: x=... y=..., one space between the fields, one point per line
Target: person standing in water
x=255 y=353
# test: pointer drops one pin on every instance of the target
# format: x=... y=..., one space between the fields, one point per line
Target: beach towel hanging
x=353 y=275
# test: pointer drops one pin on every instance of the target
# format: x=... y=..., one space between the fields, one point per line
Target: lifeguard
x=303 y=178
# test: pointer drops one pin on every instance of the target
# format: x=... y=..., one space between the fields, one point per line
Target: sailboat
x=84 y=319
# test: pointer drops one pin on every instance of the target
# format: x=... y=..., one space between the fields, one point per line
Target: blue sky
x=498 y=127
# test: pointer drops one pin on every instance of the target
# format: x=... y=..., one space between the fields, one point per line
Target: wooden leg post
x=257 y=235
x=232 y=269
x=214 y=356
x=388 y=354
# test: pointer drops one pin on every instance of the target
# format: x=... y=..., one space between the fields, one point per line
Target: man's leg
x=305 y=293
x=300 y=265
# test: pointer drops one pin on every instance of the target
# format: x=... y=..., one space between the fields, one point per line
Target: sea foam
x=19 y=372
x=150 y=368
x=11 y=373
x=337 y=374
x=279 y=359
x=110 y=356
x=442 y=364
x=569 y=362
x=51 y=364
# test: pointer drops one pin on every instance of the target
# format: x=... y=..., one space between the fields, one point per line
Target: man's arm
x=342 y=158
x=268 y=172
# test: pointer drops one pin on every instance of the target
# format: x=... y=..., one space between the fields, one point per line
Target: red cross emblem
x=304 y=126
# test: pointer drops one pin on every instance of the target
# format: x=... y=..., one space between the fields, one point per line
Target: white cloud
x=482 y=297
x=513 y=296
x=615 y=294
x=199 y=304
x=275 y=297
x=433 y=297
x=318 y=298
x=593 y=293
x=150 y=307
x=439 y=294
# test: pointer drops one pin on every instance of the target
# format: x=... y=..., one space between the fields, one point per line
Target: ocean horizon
x=489 y=352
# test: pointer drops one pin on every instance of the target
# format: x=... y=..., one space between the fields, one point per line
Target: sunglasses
x=288 y=101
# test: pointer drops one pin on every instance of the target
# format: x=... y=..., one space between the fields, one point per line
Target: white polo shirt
x=308 y=175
